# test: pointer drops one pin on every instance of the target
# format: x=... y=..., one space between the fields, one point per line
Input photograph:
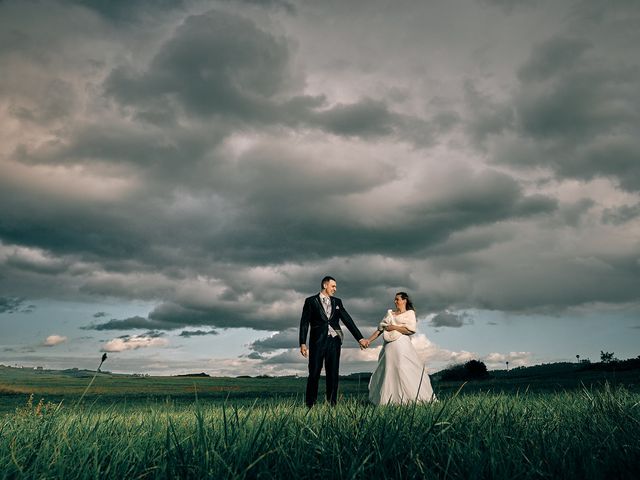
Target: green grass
x=586 y=434
x=17 y=384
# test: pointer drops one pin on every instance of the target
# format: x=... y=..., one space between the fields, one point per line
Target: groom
x=323 y=312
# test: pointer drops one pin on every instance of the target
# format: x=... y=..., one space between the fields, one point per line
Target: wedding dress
x=400 y=376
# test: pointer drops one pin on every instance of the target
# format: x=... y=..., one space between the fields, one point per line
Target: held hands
x=364 y=343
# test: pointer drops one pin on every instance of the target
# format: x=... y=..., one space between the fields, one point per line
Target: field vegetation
x=203 y=427
x=584 y=434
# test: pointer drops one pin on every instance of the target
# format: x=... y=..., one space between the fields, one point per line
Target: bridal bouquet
x=389 y=319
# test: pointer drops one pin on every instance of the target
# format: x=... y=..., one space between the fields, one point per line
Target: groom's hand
x=304 y=350
x=364 y=343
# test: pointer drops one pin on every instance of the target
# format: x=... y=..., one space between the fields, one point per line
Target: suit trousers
x=327 y=353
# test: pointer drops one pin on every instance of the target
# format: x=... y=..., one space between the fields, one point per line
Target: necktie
x=327 y=306
x=326 y=303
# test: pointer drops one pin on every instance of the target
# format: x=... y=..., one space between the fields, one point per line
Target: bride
x=400 y=376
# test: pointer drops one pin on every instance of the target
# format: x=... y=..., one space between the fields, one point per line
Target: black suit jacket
x=314 y=320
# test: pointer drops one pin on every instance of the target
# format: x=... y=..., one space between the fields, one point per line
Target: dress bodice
x=405 y=319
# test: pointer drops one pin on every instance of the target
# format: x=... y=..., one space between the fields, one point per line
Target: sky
x=176 y=177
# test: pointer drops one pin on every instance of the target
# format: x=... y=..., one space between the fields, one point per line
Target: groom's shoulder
x=309 y=299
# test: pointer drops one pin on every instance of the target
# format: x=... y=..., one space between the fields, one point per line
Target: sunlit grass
x=584 y=434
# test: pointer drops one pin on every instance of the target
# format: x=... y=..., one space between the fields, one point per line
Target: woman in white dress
x=400 y=376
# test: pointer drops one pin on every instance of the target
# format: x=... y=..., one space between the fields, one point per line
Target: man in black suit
x=323 y=312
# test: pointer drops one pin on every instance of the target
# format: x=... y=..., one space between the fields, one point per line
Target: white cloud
x=133 y=343
x=53 y=340
x=515 y=359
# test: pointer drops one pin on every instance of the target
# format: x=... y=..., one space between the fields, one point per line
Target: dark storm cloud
x=15 y=305
x=291 y=357
x=80 y=230
x=38 y=264
x=100 y=314
x=556 y=55
x=621 y=215
x=57 y=102
x=288 y=7
x=573 y=213
x=575 y=113
x=487 y=116
x=153 y=334
x=508 y=6
x=366 y=117
x=172 y=316
x=284 y=339
x=198 y=333
x=222 y=65
x=450 y=319
x=562 y=282
x=479 y=199
x=217 y=167
x=130 y=323
x=126 y=11
x=217 y=63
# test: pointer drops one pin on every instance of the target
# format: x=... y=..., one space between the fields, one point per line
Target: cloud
x=498 y=360
x=133 y=342
x=37 y=261
x=127 y=12
x=621 y=215
x=217 y=164
x=286 y=6
x=450 y=319
x=136 y=322
x=222 y=65
x=197 y=333
x=573 y=115
x=553 y=57
x=100 y=314
x=487 y=116
x=53 y=340
x=216 y=63
x=509 y=6
x=14 y=305
x=281 y=340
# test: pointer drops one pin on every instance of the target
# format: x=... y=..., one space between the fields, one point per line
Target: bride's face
x=401 y=304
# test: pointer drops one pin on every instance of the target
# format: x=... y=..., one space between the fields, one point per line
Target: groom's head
x=329 y=286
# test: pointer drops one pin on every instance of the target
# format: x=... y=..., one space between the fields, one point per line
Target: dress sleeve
x=410 y=321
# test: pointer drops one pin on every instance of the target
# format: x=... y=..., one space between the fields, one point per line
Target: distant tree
x=472 y=370
x=606 y=357
x=476 y=369
x=578 y=358
x=454 y=372
x=507 y=362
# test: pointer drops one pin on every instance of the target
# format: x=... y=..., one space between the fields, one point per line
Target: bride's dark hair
x=405 y=296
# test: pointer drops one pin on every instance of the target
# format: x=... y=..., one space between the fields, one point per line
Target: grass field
x=515 y=425
x=107 y=389
x=584 y=434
